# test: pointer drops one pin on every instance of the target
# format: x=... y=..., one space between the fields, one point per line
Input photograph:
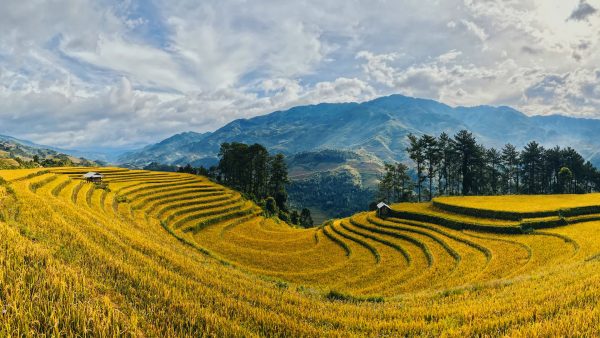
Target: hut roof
x=381 y=205
x=93 y=174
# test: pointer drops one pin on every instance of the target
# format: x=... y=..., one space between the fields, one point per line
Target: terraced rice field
x=165 y=254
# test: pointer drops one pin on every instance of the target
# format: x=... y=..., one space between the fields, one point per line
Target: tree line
x=459 y=165
x=260 y=177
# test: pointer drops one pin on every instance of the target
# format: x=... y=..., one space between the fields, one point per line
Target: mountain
x=106 y=155
x=365 y=135
x=169 y=151
x=16 y=153
x=378 y=127
x=332 y=183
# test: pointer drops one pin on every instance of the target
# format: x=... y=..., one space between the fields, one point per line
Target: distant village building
x=93 y=177
x=383 y=210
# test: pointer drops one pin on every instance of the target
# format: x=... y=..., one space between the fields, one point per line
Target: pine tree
x=510 y=169
x=432 y=156
x=278 y=180
x=532 y=161
x=465 y=147
x=446 y=152
x=306 y=219
x=416 y=153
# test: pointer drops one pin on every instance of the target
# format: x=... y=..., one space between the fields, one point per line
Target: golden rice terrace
x=165 y=254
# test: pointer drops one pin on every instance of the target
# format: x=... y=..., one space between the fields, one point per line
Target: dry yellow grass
x=76 y=260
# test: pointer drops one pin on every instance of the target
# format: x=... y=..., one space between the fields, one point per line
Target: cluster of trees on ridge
x=459 y=165
x=260 y=177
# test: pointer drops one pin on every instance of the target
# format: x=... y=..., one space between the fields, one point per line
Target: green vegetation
x=340 y=193
x=461 y=166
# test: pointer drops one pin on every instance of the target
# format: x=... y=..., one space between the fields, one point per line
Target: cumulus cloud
x=577 y=90
x=377 y=67
x=475 y=29
x=76 y=73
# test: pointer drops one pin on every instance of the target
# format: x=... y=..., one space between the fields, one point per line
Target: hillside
x=15 y=153
x=378 y=127
x=165 y=254
x=334 y=182
x=169 y=151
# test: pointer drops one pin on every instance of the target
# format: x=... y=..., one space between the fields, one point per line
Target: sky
x=125 y=73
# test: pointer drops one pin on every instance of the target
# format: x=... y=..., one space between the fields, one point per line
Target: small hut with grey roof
x=383 y=210
x=93 y=177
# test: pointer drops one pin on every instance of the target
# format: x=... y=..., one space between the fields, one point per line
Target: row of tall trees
x=251 y=170
x=459 y=165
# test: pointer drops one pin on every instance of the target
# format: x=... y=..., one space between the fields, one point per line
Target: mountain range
x=378 y=127
x=333 y=147
x=336 y=151
x=16 y=153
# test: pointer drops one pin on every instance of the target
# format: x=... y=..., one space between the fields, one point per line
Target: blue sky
x=120 y=74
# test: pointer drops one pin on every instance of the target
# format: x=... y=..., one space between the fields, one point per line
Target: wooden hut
x=383 y=210
x=93 y=177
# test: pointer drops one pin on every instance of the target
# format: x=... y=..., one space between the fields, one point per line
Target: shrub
x=284 y=216
x=271 y=207
x=339 y=296
x=121 y=199
x=102 y=186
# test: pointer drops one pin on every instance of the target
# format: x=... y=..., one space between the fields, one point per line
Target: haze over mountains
x=378 y=127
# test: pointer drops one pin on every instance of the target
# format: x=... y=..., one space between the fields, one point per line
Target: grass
x=72 y=265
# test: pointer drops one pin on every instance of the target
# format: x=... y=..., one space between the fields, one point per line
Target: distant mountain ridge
x=168 y=151
x=16 y=153
x=103 y=155
x=378 y=127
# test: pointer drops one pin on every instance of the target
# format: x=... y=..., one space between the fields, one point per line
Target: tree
x=401 y=183
x=531 y=158
x=386 y=183
x=278 y=180
x=446 y=155
x=510 y=169
x=564 y=178
x=306 y=219
x=394 y=184
x=465 y=147
x=465 y=167
x=271 y=207
x=551 y=165
x=252 y=171
x=257 y=170
x=493 y=161
x=295 y=217
x=432 y=156
x=187 y=169
x=416 y=153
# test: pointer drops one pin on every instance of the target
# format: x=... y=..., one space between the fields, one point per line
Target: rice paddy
x=166 y=254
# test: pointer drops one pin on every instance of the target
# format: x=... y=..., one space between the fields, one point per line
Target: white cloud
x=80 y=72
x=475 y=29
x=377 y=67
x=451 y=55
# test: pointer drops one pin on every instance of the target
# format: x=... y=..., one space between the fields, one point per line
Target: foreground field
x=161 y=254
